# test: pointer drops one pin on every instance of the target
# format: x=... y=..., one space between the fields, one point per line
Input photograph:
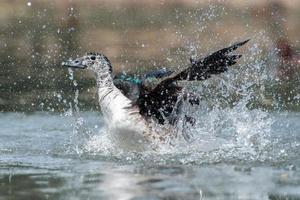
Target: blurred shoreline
x=36 y=36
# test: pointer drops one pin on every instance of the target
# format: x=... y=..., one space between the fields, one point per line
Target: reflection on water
x=115 y=181
x=37 y=162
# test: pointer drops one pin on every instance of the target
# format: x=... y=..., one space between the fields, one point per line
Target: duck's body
x=128 y=121
x=126 y=126
x=124 y=122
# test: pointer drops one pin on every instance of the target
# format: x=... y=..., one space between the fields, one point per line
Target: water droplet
x=72 y=29
x=71 y=74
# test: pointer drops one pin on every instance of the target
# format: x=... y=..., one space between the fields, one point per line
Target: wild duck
x=129 y=120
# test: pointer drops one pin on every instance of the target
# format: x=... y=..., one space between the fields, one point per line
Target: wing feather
x=159 y=101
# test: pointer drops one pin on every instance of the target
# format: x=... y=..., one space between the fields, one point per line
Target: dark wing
x=162 y=103
x=216 y=63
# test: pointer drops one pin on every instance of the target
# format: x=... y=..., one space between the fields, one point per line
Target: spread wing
x=161 y=101
x=216 y=63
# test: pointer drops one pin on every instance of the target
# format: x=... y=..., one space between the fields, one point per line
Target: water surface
x=52 y=156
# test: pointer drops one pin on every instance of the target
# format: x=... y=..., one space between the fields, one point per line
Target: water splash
x=81 y=133
x=228 y=123
x=229 y=126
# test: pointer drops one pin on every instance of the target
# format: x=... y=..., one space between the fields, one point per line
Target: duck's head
x=96 y=62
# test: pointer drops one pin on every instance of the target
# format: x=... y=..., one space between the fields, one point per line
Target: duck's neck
x=104 y=80
x=114 y=105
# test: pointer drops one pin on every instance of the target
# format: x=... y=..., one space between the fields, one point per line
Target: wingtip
x=244 y=42
x=233 y=47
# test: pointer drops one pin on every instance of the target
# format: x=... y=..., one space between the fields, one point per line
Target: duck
x=131 y=119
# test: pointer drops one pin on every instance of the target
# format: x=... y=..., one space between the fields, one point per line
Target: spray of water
x=228 y=125
x=80 y=133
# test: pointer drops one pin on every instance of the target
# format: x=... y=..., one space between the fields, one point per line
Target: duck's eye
x=93 y=58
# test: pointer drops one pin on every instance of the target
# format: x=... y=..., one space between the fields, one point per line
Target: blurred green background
x=36 y=36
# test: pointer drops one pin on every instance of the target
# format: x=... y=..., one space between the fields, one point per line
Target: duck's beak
x=77 y=63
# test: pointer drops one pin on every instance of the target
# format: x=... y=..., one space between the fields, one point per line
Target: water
x=52 y=156
x=234 y=151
